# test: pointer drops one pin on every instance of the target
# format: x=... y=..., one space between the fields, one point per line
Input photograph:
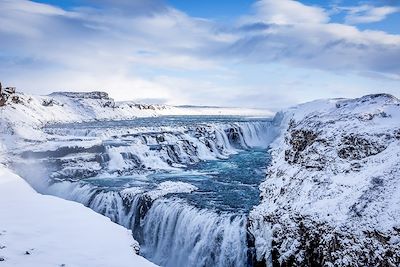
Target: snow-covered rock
x=332 y=193
x=170 y=187
x=39 y=230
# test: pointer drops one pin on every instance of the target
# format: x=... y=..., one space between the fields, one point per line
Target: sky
x=262 y=54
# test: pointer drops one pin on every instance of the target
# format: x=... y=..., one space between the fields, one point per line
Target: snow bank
x=38 y=230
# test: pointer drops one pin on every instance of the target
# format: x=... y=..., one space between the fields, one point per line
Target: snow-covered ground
x=39 y=230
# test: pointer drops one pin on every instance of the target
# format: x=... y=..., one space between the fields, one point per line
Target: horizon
x=251 y=54
x=139 y=101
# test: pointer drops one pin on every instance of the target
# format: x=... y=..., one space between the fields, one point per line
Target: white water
x=171 y=233
x=194 y=237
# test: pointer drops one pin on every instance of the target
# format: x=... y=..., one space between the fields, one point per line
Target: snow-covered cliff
x=332 y=193
x=24 y=111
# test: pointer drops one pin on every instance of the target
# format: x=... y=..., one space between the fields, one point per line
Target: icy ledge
x=39 y=230
x=332 y=193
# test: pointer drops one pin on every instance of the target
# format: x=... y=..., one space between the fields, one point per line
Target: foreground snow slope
x=332 y=194
x=38 y=230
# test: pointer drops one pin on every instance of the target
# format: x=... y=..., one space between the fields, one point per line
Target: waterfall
x=170 y=231
x=194 y=237
x=194 y=144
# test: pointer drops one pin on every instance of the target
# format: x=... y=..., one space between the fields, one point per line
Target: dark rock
x=315 y=243
x=355 y=166
x=144 y=206
x=109 y=104
x=9 y=90
x=5 y=94
x=16 y=100
x=251 y=250
x=48 y=102
x=145 y=106
x=356 y=147
x=84 y=95
x=299 y=140
x=397 y=134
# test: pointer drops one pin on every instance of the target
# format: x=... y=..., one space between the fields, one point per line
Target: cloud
x=289 y=12
x=90 y=35
x=87 y=48
x=367 y=13
x=297 y=38
x=130 y=6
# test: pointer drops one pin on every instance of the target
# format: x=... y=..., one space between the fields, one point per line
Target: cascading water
x=194 y=237
x=140 y=177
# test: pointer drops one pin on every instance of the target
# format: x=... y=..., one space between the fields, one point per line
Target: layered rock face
x=332 y=194
x=83 y=95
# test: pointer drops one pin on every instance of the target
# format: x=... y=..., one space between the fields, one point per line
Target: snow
x=170 y=187
x=209 y=111
x=39 y=230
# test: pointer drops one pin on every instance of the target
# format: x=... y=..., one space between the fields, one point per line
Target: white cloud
x=289 y=12
x=45 y=48
x=301 y=41
x=367 y=13
x=88 y=37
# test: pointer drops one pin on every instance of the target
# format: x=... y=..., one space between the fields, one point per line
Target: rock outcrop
x=6 y=93
x=83 y=95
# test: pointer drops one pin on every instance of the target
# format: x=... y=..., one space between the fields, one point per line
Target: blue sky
x=263 y=53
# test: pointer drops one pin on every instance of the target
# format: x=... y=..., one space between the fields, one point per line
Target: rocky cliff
x=332 y=194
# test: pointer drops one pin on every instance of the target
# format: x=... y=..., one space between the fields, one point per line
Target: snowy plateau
x=329 y=196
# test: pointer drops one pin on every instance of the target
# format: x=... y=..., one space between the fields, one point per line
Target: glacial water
x=224 y=185
x=120 y=174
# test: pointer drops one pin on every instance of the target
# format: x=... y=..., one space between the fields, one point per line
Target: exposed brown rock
x=355 y=147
